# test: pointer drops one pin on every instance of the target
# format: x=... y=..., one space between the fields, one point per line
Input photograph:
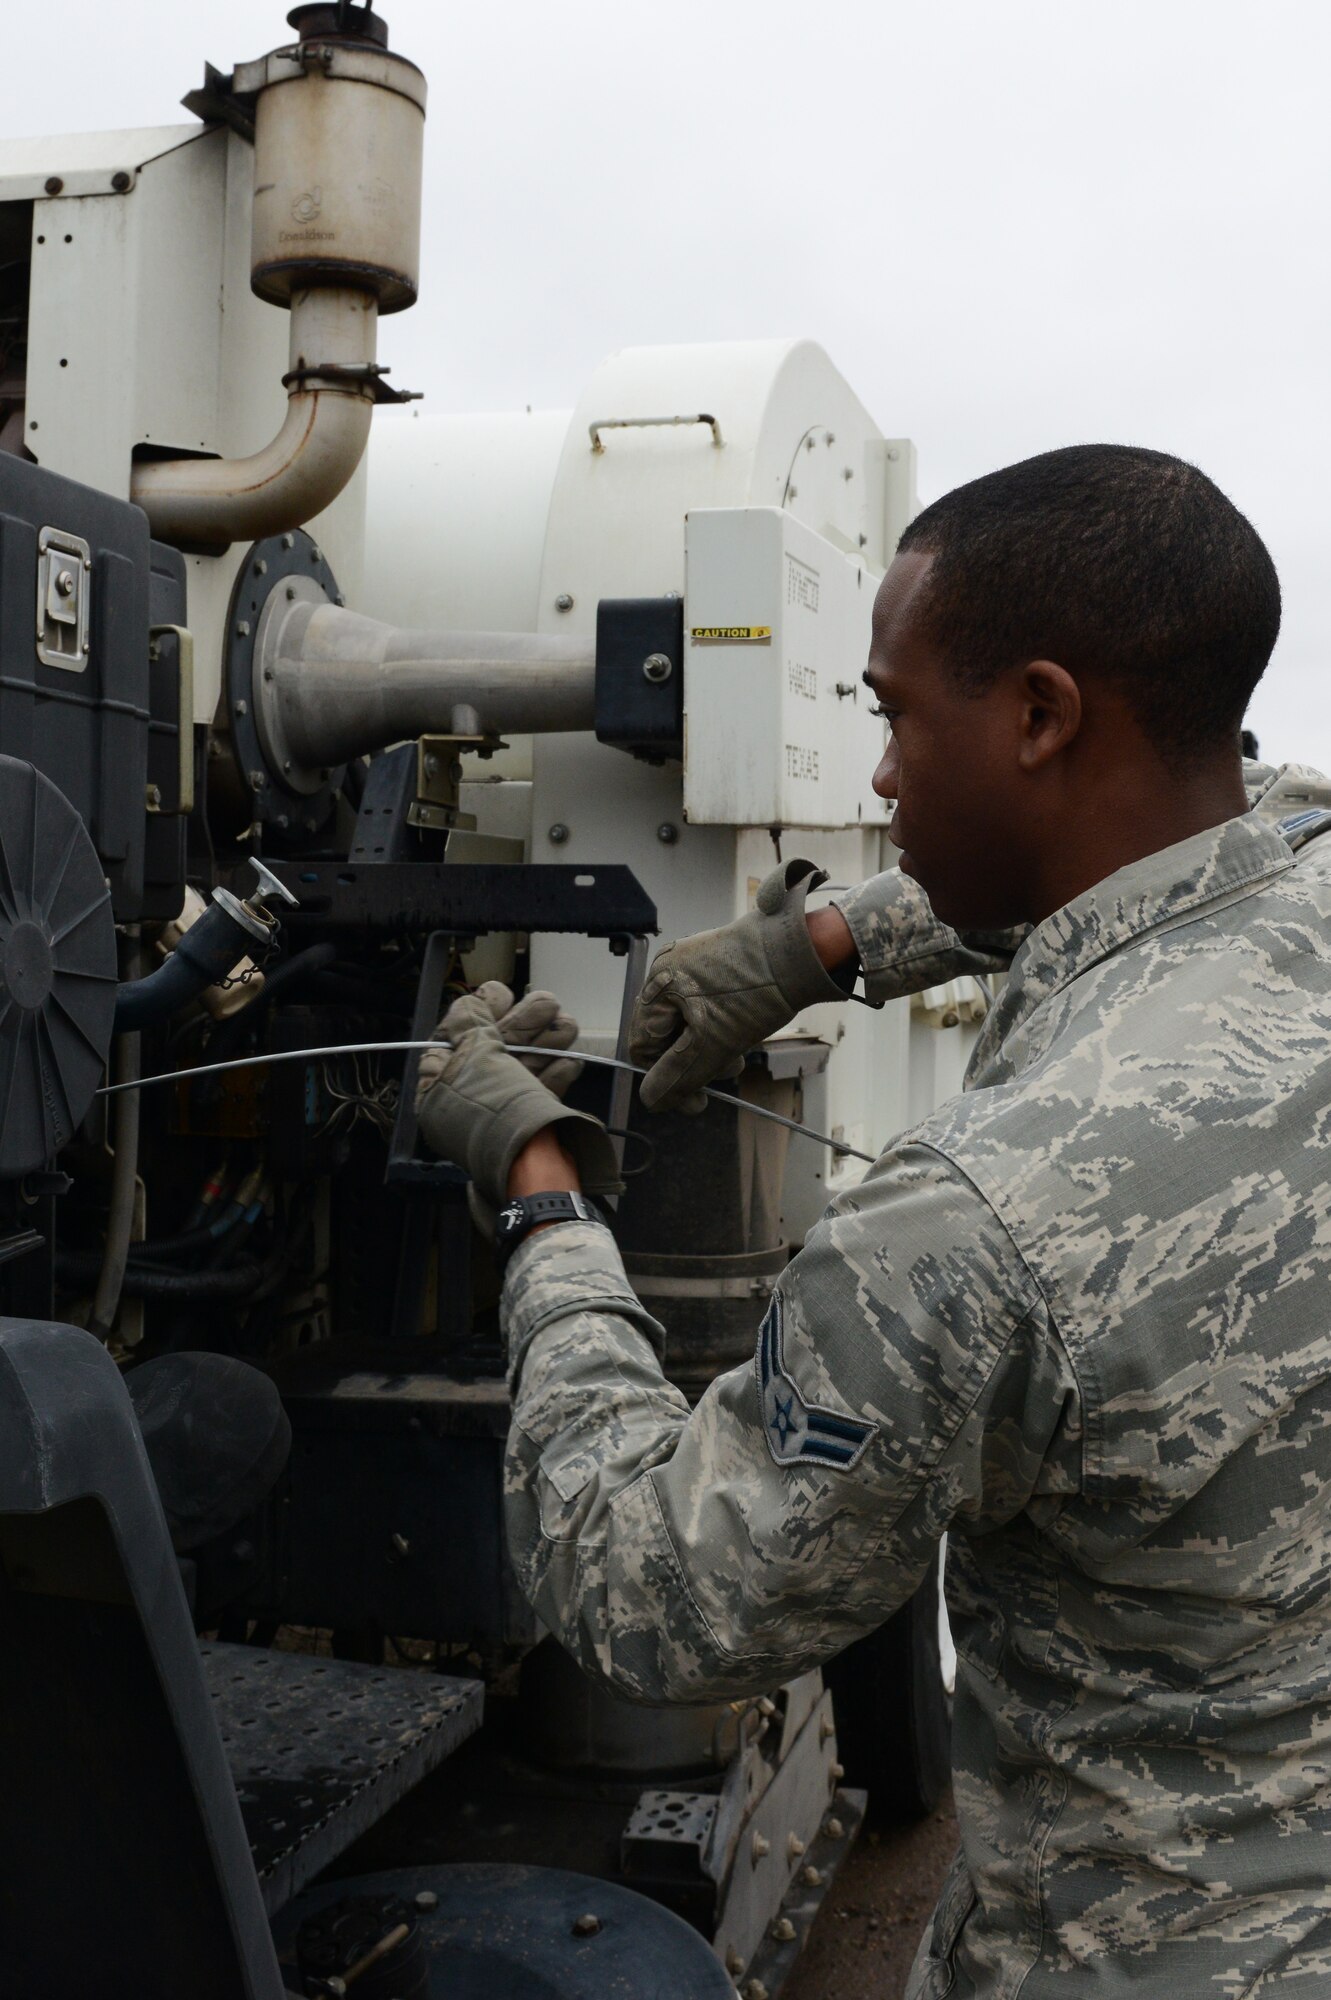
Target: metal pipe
x=331 y=685
x=209 y=502
x=114 y=1260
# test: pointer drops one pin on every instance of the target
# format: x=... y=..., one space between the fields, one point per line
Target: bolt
x=755 y=1990
x=586 y=1926
x=432 y=766
x=766 y=1706
x=242 y=708
x=316 y=555
x=243 y=628
x=426 y=1899
x=657 y=668
x=734 y=1963
x=894 y=454
x=120 y=181
x=833 y=1828
x=667 y=833
x=761 y=1846
x=846 y=472
x=54 y=185
x=64 y=583
x=826 y=1728
x=400 y=1543
x=286 y=763
x=794 y=1846
x=86 y=647
x=291 y=597
x=558 y=833
x=808 y=444
x=257 y=781
x=783 y=1930
x=282 y=820
x=836 y=1773
x=288 y=541
x=563 y=602
x=268 y=673
x=260 y=567
x=812 y=1877
x=829 y=437
x=792 y=492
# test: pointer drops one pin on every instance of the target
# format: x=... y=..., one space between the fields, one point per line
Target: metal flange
x=290 y=804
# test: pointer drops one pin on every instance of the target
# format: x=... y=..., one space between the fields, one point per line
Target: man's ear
x=1050 y=713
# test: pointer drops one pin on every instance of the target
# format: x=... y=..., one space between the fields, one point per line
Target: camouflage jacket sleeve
x=902 y=946
x=907 y=1381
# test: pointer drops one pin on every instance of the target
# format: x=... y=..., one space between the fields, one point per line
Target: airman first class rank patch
x=800 y=1433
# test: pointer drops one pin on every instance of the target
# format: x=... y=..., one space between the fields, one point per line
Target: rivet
x=563 y=602
x=794 y=1846
x=783 y=1930
x=586 y=1926
x=558 y=833
x=667 y=833
x=755 y=1990
x=54 y=185
x=734 y=1963
x=836 y=1772
x=833 y=1828
x=120 y=181
x=813 y=1877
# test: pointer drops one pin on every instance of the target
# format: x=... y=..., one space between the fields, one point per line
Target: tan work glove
x=536 y=1021
x=478 y=1105
x=710 y=998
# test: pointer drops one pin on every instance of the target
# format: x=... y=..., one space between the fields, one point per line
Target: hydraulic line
x=837 y=1146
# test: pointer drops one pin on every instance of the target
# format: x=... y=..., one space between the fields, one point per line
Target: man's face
x=950 y=765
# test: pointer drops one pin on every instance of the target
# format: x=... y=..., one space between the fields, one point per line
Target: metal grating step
x=321 y=1749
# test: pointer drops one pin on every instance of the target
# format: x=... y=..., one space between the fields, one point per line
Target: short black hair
x=1110 y=559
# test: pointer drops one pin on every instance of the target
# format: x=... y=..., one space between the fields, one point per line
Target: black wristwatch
x=522 y=1213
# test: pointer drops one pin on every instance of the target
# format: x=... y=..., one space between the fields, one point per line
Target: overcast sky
x=1012 y=226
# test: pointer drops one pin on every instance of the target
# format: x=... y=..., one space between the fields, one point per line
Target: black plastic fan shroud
x=57 y=969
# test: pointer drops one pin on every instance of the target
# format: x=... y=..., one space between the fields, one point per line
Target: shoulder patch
x=797 y=1432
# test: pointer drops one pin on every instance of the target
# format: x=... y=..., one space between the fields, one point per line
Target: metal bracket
x=184 y=639
x=64 y=589
x=363 y=374
x=649 y=424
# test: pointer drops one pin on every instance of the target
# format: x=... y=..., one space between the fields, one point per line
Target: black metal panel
x=640 y=675
x=467 y=899
x=396 y=1515
x=164 y=851
x=320 y=1749
x=83 y=726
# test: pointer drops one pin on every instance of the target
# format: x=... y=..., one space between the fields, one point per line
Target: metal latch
x=64 y=591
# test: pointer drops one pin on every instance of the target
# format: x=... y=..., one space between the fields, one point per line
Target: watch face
x=510 y=1217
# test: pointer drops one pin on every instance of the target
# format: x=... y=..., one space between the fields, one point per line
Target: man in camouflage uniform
x=1077 y=1320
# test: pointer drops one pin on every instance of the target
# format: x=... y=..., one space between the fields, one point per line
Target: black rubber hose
x=230 y=1281
x=205 y=954
x=231 y=1032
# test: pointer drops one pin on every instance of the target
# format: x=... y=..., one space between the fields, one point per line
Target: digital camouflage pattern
x=1079 y=1319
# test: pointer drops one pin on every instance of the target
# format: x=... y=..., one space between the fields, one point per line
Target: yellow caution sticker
x=729 y=634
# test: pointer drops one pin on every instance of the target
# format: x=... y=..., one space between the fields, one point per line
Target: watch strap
x=522 y=1213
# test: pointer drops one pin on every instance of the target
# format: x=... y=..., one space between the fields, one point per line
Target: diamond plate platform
x=320 y=1749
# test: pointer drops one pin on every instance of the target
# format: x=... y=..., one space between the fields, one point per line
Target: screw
x=426 y=1900
x=783 y=1930
x=242 y=708
x=761 y=1846
x=586 y=1926
x=120 y=181
x=563 y=602
x=657 y=667
x=558 y=833
x=54 y=185
x=667 y=833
